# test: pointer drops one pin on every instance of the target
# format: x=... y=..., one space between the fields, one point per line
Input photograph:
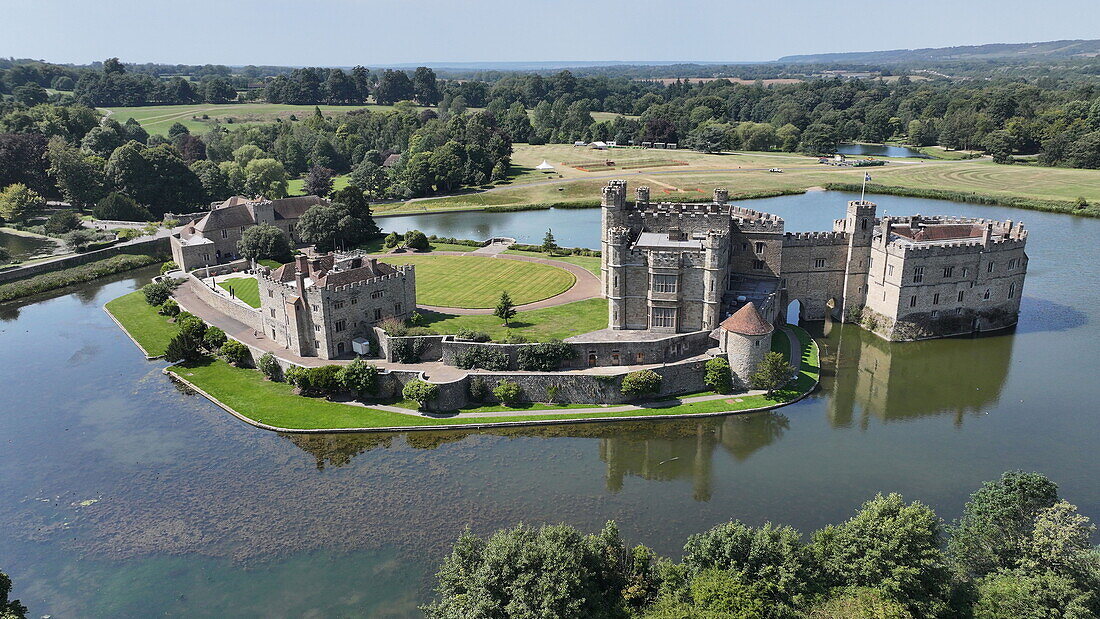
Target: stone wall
x=235 y=310
x=151 y=247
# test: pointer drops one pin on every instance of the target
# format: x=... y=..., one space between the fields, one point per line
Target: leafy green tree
x=415 y=239
x=1000 y=145
x=505 y=309
x=121 y=207
x=393 y=87
x=549 y=243
x=104 y=139
x=183 y=347
x=268 y=366
x=1012 y=594
x=717 y=593
x=788 y=136
x=641 y=383
x=214 y=180
x=358 y=208
x=772 y=373
x=213 y=339
x=79 y=177
x=371 y=178
x=1059 y=541
x=9 y=608
x=265 y=242
x=193 y=326
x=891 y=546
x=235 y=353
x=819 y=138
x=392 y=240
x=859 y=603
x=63 y=221
x=177 y=129
x=997 y=520
x=718 y=375
x=552 y=571
x=424 y=86
x=17 y=202
x=156 y=293
x=360 y=378
x=421 y=392
x=79 y=240
x=508 y=392
x=266 y=177
x=331 y=225
x=30 y=94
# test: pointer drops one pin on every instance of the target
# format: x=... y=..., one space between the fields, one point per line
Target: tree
x=819 y=138
x=421 y=392
x=156 y=293
x=552 y=571
x=359 y=377
x=859 y=603
x=997 y=520
x=177 y=129
x=424 y=86
x=718 y=375
x=1059 y=541
x=30 y=94
x=358 y=208
x=716 y=593
x=17 y=202
x=62 y=222
x=393 y=87
x=192 y=325
x=213 y=339
x=79 y=240
x=371 y=178
x=266 y=177
x=9 y=608
x=265 y=242
x=331 y=225
x=549 y=244
x=183 y=346
x=1000 y=145
x=23 y=160
x=120 y=207
x=641 y=383
x=505 y=309
x=392 y=240
x=319 y=181
x=214 y=180
x=79 y=177
x=891 y=546
x=415 y=239
x=1019 y=593
x=508 y=392
x=235 y=353
x=112 y=65
x=154 y=176
x=772 y=373
x=269 y=366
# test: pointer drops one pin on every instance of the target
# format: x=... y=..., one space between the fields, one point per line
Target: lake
x=26 y=247
x=879 y=150
x=123 y=496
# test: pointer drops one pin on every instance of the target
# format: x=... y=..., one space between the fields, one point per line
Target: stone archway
x=796 y=312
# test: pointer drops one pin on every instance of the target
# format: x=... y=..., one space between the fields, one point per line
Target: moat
x=127 y=497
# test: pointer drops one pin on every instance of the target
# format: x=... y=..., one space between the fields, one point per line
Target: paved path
x=587 y=286
x=491 y=249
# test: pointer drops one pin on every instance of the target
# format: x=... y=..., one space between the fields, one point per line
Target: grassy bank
x=558 y=322
x=589 y=263
x=1050 y=206
x=148 y=328
x=75 y=275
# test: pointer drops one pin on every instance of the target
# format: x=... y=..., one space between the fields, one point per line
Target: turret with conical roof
x=745 y=337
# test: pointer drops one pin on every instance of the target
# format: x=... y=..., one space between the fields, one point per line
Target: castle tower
x=612 y=215
x=721 y=196
x=859 y=224
x=615 y=251
x=715 y=258
x=641 y=196
x=745 y=338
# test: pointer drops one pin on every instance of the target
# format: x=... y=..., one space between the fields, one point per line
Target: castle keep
x=686 y=267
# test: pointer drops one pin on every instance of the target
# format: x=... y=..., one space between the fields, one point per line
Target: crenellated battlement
x=618 y=235
x=402 y=271
x=810 y=239
x=775 y=224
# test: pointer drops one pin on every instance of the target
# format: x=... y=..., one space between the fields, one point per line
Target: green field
x=297 y=186
x=156 y=119
x=245 y=288
x=558 y=322
x=476 y=282
x=151 y=330
x=589 y=263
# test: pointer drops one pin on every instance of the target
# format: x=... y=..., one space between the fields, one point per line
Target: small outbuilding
x=545 y=166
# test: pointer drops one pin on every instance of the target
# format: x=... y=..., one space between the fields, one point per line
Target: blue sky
x=377 y=32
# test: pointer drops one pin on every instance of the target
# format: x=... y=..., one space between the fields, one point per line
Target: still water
x=26 y=247
x=121 y=496
x=879 y=150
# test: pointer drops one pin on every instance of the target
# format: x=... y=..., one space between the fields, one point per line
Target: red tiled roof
x=941 y=232
x=747 y=321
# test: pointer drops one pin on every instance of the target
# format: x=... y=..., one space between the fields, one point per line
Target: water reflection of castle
x=865 y=376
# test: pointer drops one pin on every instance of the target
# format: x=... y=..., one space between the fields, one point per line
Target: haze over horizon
x=391 y=32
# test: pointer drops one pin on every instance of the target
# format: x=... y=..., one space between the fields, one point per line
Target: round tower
x=715 y=258
x=746 y=337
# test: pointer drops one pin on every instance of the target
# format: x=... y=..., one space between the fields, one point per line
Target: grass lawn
x=557 y=322
x=156 y=119
x=142 y=322
x=247 y=289
x=269 y=263
x=376 y=246
x=476 y=282
x=589 y=263
x=297 y=186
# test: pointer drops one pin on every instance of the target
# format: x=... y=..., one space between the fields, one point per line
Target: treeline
x=1017 y=551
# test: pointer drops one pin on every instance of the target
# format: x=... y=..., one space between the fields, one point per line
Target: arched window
x=864 y=224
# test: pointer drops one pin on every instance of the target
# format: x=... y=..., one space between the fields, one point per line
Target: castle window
x=918 y=275
x=936 y=299
x=639 y=358
x=377 y=294
x=378 y=314
x=966 y=271
x=819 y=263
x=756 y=343
x=340 y=325
x=985 y=296
x=863 y=224
x=664 y=283
x=989 y=269
x=958 y=311
x=355 y=300
x=947 y=271
x=664 y=317
x=316 y=344
x=225 y=234
x=273 y=312
x=759 y=248
x=396 y=308
x=1012 y=290
x=615 y=360
x=338 y=305
x=271 y=294
x=314 y=307
x=317 y=328
x=889 y=269
x=744 y=246
x=758 y=265
x=913 y=301
x=935 y=314
x=962 y=294
x=870 y=262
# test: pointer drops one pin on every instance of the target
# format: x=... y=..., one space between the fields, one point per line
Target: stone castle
x=677 y=267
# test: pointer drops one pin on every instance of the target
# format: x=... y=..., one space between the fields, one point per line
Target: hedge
x=75 y=275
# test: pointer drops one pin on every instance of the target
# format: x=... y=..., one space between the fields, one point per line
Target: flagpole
x=863 y=192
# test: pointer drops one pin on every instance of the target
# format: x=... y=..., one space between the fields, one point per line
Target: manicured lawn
x=476 y=282
x=246 y=289
x=588 y=263
x=377 y=246
x=156 y=119
x=142 y=322
x=557 y=322
x=297 y=186
x=269 y=263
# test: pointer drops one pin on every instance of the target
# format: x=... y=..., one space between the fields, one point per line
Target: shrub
x=470 y=335
x=552 y=393
x=416 y=319
x=323 y=380
x=78 y=240
x=420 y=391
x=718 y=375
x=63 y=221
x=168 y=266
x=74 y=275
x=406 y=350
x=169 y=308
x=156 y=293
x=269 y=366
x=392 y=239
x=508 y=392
x=514 y=338
x=479 y=391
x=299 y=377
x=544 y=357
x=772 y=373
x=213 y=339
x=194 y=326
x=393 y=327
x=235 y=353
x=359 y=377
x=415 y=239
x=641 y=383
x=481 y=357
x=183 y=347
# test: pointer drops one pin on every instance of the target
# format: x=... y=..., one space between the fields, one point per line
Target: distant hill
x=993 y=51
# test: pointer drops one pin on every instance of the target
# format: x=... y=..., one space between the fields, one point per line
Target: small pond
x=880 y=150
